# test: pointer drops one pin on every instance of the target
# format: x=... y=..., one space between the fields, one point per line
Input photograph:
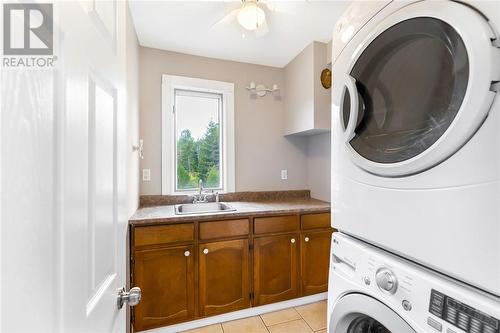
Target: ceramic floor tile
x=279 y=317
x=314 y=314
x=296 y=326
x=215 y=328
x=246 y=325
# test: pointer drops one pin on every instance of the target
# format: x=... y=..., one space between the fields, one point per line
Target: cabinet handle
x=306 y=239
x=205 y=251
x=187 y=253
x=292 y=240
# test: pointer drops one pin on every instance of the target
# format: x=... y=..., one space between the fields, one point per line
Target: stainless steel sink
x=200 y=208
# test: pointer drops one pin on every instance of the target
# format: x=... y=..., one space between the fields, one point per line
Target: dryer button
x=367 y=280
x=434 y=324
x=406 y=305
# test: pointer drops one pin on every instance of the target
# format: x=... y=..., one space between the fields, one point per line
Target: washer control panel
x=461 y=315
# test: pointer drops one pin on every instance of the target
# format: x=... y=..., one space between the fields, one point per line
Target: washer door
x=358 y=313
x=421 y=85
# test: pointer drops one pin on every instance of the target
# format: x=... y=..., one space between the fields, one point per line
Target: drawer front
x=267 y=225
x=315 y=221
x=218 y=229
x=151 y=235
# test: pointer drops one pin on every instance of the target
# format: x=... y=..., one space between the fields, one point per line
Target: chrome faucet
x=200 y=197
x=200 y=187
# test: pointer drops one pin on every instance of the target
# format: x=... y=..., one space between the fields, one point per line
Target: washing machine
x=377 y=292
x=416 y=133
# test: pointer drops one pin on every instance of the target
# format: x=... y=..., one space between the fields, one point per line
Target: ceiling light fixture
x=251 y=16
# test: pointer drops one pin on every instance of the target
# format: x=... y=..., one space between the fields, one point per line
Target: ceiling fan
x=251 y=16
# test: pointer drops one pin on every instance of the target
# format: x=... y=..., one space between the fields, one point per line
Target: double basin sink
x=204 y=207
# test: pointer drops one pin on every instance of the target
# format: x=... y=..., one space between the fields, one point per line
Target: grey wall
x=261 y=149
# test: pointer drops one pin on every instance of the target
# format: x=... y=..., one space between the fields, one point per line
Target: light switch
x=284 y=174
x=146 y=175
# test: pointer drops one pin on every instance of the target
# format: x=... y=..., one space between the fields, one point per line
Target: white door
x=93 y=165
x=64 y=178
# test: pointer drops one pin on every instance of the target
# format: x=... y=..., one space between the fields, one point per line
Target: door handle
x=132 y=297
x=352 y=90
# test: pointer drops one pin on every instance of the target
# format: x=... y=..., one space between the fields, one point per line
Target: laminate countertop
x=166 y=214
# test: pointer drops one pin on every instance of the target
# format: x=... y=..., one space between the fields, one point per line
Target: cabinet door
x=315 y=260
x=224 y=278
x=275 y=268
x=166 y=278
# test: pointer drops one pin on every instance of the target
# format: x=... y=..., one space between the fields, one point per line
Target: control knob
x=386 y=280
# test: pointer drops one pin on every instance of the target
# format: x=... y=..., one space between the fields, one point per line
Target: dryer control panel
x=461 y=315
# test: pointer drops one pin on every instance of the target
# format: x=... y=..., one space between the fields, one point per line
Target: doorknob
x=306 y=239
x=132 y=297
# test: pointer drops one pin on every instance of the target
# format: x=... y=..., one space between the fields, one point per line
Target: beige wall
x=261 y=149
x=132 y=73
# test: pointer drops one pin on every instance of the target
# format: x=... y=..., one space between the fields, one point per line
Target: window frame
x=168 y=167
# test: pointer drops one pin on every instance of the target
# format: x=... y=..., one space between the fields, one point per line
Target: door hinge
x=251 y=296
x=496 y=42
x=250 y=247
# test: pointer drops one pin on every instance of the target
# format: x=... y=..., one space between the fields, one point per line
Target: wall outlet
x=284 y=174
x=146 y=175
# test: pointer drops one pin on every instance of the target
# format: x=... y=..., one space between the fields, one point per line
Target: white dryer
x=416 y=133
x=376 y=292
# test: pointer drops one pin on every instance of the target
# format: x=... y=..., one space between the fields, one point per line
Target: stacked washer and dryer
x=416 y=168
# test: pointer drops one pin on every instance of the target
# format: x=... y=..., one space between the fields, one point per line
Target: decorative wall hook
x=139 y=148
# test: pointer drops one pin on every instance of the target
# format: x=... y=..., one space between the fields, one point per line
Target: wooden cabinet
x=205 y=268
x=275 y=268
x=224 y=279
x=166 y=278
x=314 y=261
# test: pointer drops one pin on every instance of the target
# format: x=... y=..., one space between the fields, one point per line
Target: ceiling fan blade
x=268 y=4
x=229 y=18
x=262 y=30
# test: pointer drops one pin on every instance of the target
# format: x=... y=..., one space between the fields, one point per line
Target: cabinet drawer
x=218 y=229
x=267 y=225
x=315 y=221
x=163 y=234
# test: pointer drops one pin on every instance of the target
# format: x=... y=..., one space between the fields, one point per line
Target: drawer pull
x=205 y=251
x=292 y=240
x=187 y=253
x=306 y=239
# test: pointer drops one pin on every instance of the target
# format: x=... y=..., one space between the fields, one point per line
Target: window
x=197 y=135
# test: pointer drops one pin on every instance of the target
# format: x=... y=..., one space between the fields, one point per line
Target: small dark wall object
x=326 y=78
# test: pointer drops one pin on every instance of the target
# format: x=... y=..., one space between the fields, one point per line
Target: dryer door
x=418 y=88
x=358 y=313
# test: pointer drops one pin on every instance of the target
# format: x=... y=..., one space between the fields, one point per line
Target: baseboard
x=258 y=310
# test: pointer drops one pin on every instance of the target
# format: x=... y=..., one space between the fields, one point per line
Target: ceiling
x=188 y=27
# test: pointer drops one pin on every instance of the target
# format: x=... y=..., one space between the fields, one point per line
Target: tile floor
x=301 y=319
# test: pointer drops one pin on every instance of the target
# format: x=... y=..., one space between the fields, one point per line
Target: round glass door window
x=411 y=81
x=365 y=324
